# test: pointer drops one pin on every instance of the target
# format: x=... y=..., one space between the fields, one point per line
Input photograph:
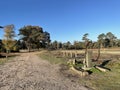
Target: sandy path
x=29 y=72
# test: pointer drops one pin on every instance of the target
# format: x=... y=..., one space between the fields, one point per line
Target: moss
x=94 y=70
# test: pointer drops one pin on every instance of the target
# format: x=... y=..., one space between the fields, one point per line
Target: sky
x=65 y=20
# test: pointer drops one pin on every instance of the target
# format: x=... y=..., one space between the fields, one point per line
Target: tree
x=9 y=35
x=85 y=37
x=45 y=39
x=60 y=45
x=101 y=39
x=1 y=46
x=78 y=45
x=64 y=46
x=118 y=43
x=87 y=43
x=34 y=37
x=55 y=45
x=68 y=45
x=101 y=43
x=112 y=38
x=106 y=43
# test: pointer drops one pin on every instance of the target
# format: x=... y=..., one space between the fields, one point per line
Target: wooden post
x=84 y=63
x=73 y=61
x=87 y=61
x=65 y=54
x=71 y=54
x=75 y=54
x=68 y=54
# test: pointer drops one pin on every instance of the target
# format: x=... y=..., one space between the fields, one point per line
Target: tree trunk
x=7 y=52
x=98 y=52
x=28 y=49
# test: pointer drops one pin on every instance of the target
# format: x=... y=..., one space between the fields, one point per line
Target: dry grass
x=109 y=80
x=53 y=57
x=3 y=58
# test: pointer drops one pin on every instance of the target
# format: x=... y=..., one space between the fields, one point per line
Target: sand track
x=29 y=72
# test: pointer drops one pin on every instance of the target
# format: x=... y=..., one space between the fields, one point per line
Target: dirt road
x=29 y=72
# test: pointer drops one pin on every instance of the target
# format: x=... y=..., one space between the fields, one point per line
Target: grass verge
x=3 y=59
x=52 y=57
x=109 y=80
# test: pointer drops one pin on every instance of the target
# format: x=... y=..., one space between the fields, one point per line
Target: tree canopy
x=34 y=36
x=9 y=35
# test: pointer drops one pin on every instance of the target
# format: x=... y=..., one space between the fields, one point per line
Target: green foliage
x=109 y=80
x=85 y=37
x=34 y=37
x=78 y=45
x=104 y=41
x=9 y=35
x=107 y=40
x=94 y=70
x=9 y=32
x=78 y=66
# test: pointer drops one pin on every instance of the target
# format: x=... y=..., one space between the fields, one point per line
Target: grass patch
x=94 y=70
x=4 y=60
x=109 y=80
x=78 y=66
x=98 y=80
x=52 y=57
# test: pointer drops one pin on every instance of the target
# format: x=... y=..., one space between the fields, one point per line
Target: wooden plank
x=101 y=69
x=81 y=73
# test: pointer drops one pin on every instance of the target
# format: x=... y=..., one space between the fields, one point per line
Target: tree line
x=108 y=40
x=34 y=37
x=29 y=37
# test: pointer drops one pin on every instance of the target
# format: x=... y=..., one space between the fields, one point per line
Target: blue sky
x=65 y=20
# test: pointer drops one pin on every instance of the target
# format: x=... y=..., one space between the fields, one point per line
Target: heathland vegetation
x=94 y=64
x=34 y=37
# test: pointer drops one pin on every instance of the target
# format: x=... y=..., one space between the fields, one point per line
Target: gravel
x=29 y=72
